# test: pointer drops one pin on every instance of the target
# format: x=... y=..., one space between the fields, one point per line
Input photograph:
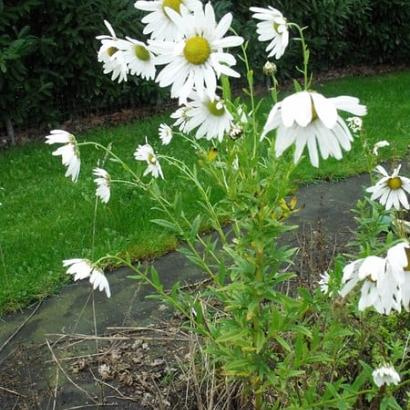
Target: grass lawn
x=45 y=218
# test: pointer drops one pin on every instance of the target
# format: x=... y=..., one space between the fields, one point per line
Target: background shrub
x=49 y=71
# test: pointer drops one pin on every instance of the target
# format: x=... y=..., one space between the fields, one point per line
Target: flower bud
x=269 y=69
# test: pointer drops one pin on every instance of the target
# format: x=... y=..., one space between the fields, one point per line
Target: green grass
x=45 y=218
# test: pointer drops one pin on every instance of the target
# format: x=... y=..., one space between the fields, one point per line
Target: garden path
x=326 y=204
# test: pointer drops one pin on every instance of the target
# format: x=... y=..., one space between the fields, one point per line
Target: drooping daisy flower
x=69 y=152
x=355 y=124
x=386 y=375
x=381 y=287
x=103 y=181
x=391 y=190
x=158 y=22
x=83 y=269
x=398 y=258
x=112 y=56
x=273 y=27
x=378 y=145
x=146 y=153
x=209 y=116
x=165 y=134
x=198 y=58
x=139 y=59
x=324 y=283
x=308 y=118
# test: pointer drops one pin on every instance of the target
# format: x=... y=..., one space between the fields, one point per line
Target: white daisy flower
x=386 y=375
x=139 y=59
x=103 y=181
x=83 y=269
x=209 y=116
x=324 y=282
x=399 y=259
x=112 y=56
x=181 y=116
x=273 y=27
x=378 y=145
x=158 y=22
x=198 y=58
x=146 y=153
x=236 y=131
x=308 y=118
x=69 y=152
x=391 y=190
x=380 y=288
x=355 y=124
x=165 y=134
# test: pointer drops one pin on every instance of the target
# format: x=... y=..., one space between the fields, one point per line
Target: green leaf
x=165 y=224
x=226 y=87
x=260 y=341
x=283 y=343
x=196 y=225
x=297 y=86
x=232 y=336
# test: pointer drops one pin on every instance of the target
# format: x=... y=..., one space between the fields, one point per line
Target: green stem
x=188 y=173
x=203 y=265
x=306 y=54
x=249 y=78
x=110 y=153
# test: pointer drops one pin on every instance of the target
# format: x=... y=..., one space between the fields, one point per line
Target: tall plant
x=290 y=348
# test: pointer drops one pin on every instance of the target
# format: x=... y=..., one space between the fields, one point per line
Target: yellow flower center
x=152 y=159
x=314 y=112
x=276 y=27
x=197 y=50
x=216 y=108
x=172 y=4
x=142 y=53
x=407 y=268
x=111 y=51
x=394 y=183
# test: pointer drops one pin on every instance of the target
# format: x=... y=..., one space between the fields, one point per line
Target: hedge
x=49 y=70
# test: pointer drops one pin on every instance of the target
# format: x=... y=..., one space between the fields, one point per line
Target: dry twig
x=67 y=376
x=14 y=393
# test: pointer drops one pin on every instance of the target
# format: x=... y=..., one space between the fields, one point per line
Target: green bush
x=49 y=70
x=48 y=64
x=341 y=32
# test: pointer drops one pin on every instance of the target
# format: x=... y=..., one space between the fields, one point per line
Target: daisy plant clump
x=276 y=345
